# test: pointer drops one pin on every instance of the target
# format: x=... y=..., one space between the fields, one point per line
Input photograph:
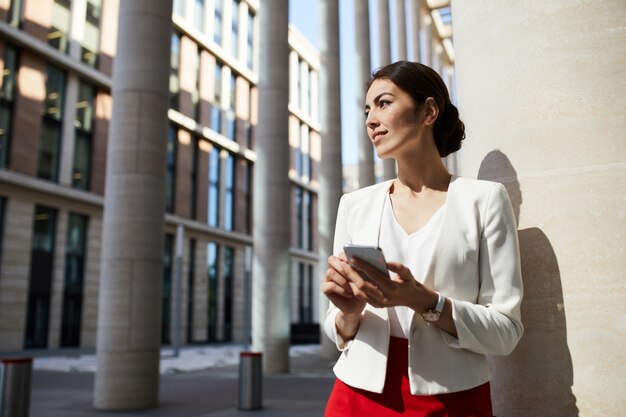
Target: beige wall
x=541 y=91
x=15 y=268
x=30 y=95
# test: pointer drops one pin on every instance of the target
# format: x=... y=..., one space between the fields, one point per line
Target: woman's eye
x=383 y=103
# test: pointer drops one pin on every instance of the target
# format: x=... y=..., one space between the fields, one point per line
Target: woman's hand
x=337 y=288
x=380 y=290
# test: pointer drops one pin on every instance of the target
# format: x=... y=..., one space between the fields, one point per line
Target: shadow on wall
x=536 y=379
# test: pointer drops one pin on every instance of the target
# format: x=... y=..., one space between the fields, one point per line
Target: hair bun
x=450 y=130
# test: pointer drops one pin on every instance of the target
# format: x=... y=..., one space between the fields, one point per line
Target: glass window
x=179 y=7
x=81 y=171
x=298 y=84
x=305 y=293
x=9 y=72
x=55 y=90
x=85 y=107
x=174 y=68
x=199 y=15
x=234 y=37
x=308 y=103
x=217 y=21
x=250 y=49
x=214 y=188
x=191 y=272
x=195 y=152
x=229 y=197
x=49 y=149
x=40 y=281
x=2 y=209
x=303 y=98
x=308 y=211
x=212 y=258
x=218 y=83
x=233 y=91
x=304 y=218
x=50 y=143
x=170 y=174
x=305 y=173
x=228 y=273
x=75 y=250
x=168 y=265
x=195 y=95
x=216 y=118
x=58 y=34
x=7 y=92
x=298 y=161
x=299 y=218
x=247 y=195
x=91 y=37
x=230 y=114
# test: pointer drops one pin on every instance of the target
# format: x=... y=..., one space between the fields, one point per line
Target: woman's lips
x=377 y=137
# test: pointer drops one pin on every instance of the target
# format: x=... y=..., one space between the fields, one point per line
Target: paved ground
x=207 y=393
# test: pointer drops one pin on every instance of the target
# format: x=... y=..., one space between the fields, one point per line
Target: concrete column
x=68 y=136
x=77 y=27
x=551 y=127
x=330 y=173
x=15 y=262
x=129 y=316
x=416 y=24
x=270 y=273
x=384 y=46
x=362 y=76
x=384 y=37
x=58 y=280
x=426 y=40
x=400 y=24
x=294 y=75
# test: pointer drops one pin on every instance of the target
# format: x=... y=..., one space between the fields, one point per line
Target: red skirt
x=397 y=400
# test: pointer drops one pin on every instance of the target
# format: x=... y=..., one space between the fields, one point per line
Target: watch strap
x=441 y=301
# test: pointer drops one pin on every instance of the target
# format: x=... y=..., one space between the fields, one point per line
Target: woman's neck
x=422 y=173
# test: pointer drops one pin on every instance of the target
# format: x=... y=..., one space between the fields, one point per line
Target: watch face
x=431 y=316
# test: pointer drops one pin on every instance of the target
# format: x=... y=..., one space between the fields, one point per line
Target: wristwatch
x=432 y=315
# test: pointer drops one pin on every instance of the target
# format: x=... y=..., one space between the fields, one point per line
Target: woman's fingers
x=364 y=282
x=402 y=271
x=373 y=275
x=330 y=287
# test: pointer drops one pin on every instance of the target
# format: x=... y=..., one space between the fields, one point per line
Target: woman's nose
x=370 y=120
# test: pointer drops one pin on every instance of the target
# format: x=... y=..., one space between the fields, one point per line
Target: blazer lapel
x=369 y=212
x=443 y=236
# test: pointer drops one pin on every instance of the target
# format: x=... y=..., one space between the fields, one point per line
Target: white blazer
x=476 y=264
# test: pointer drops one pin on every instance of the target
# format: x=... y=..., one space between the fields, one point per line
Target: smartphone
x=373 y=255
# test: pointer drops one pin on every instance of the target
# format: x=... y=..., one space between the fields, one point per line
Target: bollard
x=250 y=381
x=15 y=387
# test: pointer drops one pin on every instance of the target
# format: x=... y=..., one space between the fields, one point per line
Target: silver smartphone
x=373 y=255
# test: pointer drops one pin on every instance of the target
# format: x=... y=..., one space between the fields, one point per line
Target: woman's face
x=392 y=119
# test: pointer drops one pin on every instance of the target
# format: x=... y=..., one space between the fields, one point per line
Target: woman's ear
x=431 y=111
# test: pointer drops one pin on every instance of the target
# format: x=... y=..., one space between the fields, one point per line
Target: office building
x=55 y=109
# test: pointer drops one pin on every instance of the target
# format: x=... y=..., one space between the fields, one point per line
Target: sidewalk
x=209 y=392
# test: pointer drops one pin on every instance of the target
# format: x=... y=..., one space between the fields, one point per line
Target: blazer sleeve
x=341 y=239
x=493 y=325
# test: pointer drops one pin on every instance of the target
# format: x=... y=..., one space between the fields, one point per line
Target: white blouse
x=414 y=250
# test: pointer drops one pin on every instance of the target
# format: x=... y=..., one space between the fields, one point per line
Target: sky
x=303 y=14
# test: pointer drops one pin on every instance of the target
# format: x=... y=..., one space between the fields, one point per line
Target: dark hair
x=421 y=82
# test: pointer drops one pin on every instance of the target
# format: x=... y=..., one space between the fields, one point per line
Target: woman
x=415 y=344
